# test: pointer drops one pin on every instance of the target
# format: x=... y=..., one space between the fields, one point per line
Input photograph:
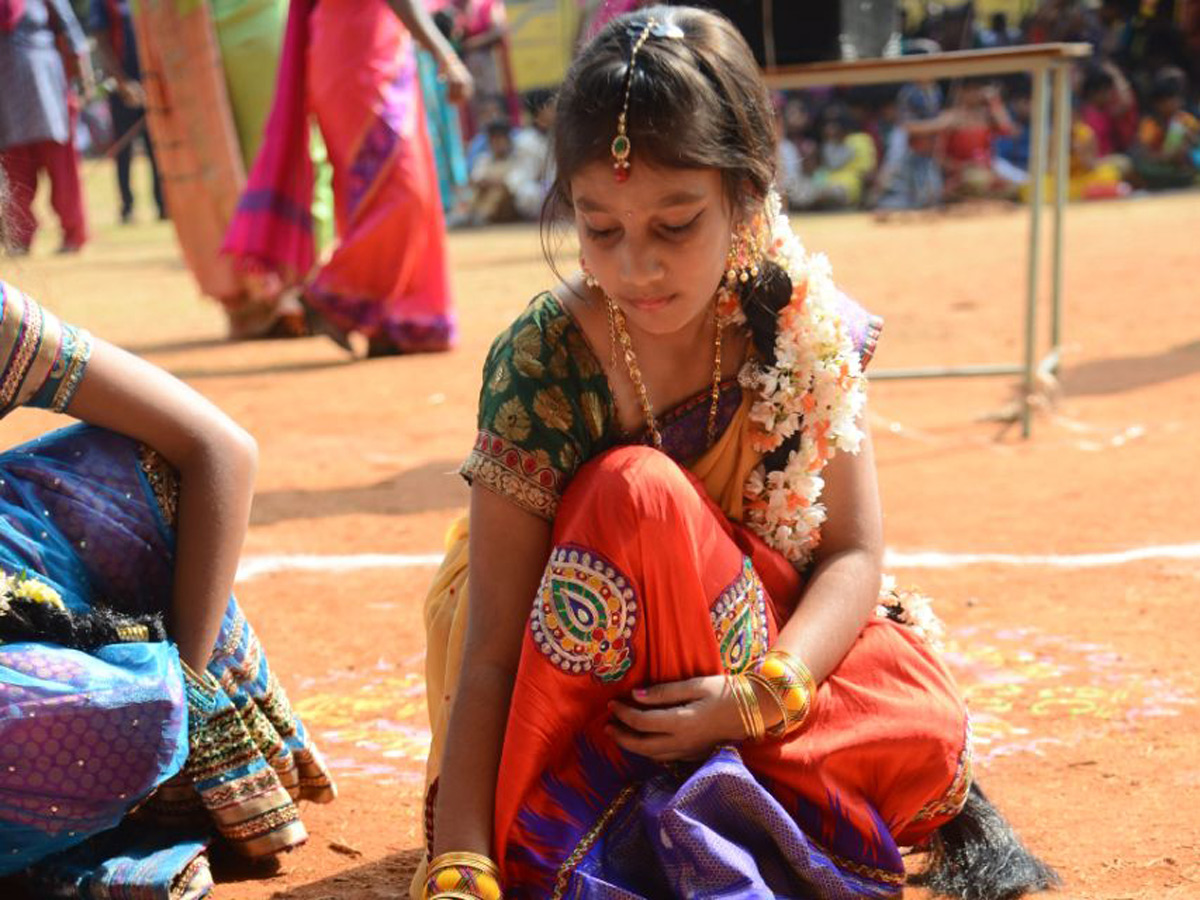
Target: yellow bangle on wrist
x=460 y=875
x=792 y=686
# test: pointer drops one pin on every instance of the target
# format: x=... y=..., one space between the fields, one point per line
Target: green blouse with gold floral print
x=545 y=408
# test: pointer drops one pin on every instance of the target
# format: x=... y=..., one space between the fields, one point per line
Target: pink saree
x=351 y=64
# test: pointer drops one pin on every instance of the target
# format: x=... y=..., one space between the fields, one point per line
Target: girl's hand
x=677 y=720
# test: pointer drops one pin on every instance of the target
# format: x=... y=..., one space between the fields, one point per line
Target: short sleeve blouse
x=544 y=409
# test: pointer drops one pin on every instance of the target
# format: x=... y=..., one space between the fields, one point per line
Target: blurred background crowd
x=1134 y=123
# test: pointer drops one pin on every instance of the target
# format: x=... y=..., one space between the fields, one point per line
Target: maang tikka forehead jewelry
x=621 y=145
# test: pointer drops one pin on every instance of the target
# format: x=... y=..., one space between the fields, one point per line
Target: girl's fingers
x=660 y=721
x=670 y=693
x=659 y=747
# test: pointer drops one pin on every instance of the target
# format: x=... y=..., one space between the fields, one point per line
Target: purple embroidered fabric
x=716 y=833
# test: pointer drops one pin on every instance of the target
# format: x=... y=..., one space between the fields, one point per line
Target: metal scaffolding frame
x=1049 y=66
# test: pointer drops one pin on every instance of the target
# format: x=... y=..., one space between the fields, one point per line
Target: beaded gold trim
x=183 y=884
x=515 y=474
x=952 y=802
x=875 y=874
x=81 y=352
x=164 y=481
x=585 y=843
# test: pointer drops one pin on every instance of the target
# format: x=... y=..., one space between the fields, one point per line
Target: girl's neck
x=693 y=338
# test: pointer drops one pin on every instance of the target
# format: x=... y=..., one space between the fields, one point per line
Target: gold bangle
x=793 y=686
x=756 y=719
x=755 y=678
x=463 y=875
x=735 y=691
x=464 y=858
x=747 y=704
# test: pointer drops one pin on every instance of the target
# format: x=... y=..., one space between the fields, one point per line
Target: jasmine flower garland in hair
x=21 y=586
x=816 y=386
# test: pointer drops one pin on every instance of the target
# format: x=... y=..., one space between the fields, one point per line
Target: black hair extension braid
x=23 y=619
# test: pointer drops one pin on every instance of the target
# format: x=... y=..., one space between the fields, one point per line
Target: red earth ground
x=1081 y=671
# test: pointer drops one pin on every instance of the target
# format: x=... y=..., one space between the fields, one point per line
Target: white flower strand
x=816 y=386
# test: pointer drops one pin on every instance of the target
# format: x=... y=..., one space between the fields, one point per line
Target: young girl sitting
x=128 y=676
x=659 y=661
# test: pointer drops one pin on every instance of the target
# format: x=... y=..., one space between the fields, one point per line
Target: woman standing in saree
x=352 y=64
x=659 y=659
x=128 y=674
x=209 y=72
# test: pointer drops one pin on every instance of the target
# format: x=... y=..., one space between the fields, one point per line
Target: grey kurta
x=33 y=83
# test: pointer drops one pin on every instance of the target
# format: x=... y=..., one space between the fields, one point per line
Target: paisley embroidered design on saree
x=584 y=615
x=739 y=620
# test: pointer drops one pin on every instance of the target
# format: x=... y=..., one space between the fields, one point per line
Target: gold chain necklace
x=617 y=329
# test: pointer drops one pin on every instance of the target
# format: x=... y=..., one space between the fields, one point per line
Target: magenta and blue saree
x=352 y=65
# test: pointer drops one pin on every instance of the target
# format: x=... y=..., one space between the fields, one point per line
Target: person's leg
x=123 y=119
x=21 y=164
x=66 y=193
x=159 y=201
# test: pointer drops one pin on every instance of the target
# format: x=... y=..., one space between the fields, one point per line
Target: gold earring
x=588 y=278
x=747 y=248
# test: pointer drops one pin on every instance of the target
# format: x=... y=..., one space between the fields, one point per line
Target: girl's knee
x=633 y=480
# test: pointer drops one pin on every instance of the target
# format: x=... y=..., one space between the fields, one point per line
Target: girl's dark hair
x=977 y=856
x=697 y=101
x=23 y=619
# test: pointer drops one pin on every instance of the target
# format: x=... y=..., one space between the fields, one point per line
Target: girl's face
x=656 y=242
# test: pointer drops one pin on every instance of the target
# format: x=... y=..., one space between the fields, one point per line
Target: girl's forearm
x=466 y=797
x=216 y=483
x=839 y=598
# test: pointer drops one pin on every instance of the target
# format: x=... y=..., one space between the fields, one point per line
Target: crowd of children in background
x=913 y=146
x=924 y=144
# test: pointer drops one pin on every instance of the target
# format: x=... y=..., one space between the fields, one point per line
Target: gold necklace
x=616 y=324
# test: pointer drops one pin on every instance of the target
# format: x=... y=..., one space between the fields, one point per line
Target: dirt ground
x=1080 y=663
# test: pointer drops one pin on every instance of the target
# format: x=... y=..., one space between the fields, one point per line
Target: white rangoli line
x=256 y=566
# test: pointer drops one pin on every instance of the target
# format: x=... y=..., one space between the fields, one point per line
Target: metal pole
x=978 y=371
x=1062 y=154
x=1037 y=169
x=768 y=11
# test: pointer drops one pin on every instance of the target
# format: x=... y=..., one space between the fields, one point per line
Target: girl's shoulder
x=545 y=313
x=545 y=343
x=544 y=408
